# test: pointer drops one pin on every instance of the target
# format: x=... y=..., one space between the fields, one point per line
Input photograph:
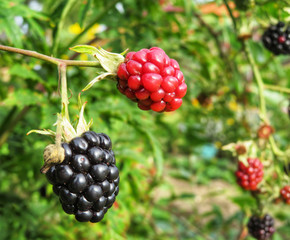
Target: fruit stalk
x=53 y=60
x=63 y=86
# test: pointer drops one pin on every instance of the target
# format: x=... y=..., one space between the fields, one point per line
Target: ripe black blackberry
x=276 y=39
x=87 y=180
x=261 y=228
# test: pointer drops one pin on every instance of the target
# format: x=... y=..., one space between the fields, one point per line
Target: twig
x=277 y=88
x=53 y=60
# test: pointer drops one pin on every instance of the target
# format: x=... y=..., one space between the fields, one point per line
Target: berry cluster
x=285 y=193
x=87 y=180
x=261 y=228
x=152 y=79
x=249 y=176
x=276 y=39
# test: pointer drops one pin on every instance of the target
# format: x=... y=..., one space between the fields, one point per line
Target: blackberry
x=87 y=181
x=276 y=39
x=261 y=228
x=153 y=80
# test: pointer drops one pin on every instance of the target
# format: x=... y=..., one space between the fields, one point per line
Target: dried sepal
x=53 y=154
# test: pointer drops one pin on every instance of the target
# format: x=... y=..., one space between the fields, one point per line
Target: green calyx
x=65 y=128
x=109 y=62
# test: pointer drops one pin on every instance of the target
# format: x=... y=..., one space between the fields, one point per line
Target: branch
x=53 y=60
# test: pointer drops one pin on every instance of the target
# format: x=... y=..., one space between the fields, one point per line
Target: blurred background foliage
x=176 y=182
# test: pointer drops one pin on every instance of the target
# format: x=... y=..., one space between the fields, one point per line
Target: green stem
x=53 y=60
x=231 y=14
x=261 y=87
x=277 y=88
x=63 y=82
x=259 y=81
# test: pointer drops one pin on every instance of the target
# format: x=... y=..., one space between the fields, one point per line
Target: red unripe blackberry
x=285 y=194
x=153 y=80
x=87 y=180
x=261 y=228
x=249 y=176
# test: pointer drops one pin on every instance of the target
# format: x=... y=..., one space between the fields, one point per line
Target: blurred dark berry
x=261 y=228
x=277 y=39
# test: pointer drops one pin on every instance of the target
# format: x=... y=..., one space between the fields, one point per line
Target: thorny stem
x=53 y=60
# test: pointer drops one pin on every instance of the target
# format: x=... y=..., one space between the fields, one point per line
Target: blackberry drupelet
x=276 y=39
x=87 y=180
x=261 y=228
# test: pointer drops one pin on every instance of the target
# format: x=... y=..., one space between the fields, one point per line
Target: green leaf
x=24 y=97
x=24 y=72
x=83 y=11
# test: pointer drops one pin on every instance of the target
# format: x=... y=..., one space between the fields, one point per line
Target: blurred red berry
x=249 y=176
x=285 y=193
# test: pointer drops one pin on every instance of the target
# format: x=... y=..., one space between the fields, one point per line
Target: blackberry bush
x=87 y=181
x=249 y=176
x=261 y=228
x=276 y=39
